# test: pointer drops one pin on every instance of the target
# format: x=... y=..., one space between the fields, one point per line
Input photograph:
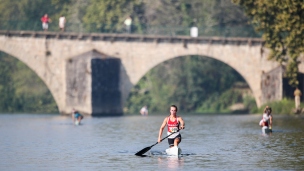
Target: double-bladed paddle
x=143 y=151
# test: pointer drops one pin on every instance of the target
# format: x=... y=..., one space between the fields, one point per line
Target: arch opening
x=22 y=90
x=197 y=84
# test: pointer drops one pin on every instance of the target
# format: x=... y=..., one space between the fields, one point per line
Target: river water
x=220 y=142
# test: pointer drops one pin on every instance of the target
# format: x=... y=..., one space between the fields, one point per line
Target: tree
x=109 y=15
x=213 y=17
x=282 y=25
x=26 y=14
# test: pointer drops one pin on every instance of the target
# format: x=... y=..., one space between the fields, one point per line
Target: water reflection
x=170 y=162
x=266 y=133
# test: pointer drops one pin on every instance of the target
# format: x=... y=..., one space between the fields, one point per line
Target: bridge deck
x=132 y=37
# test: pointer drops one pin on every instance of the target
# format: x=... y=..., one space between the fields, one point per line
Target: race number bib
x=173 y=129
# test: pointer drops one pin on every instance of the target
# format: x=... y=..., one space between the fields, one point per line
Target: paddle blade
x=143 y=151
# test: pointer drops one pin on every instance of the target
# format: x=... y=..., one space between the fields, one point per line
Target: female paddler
x=174 y=124
x=266 y=120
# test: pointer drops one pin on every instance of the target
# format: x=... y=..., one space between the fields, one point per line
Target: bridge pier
x=93 y=84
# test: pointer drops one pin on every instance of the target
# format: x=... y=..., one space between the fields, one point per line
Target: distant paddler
x=77 y=117
x=266 y=122
x=144 y=111
x=174 y=124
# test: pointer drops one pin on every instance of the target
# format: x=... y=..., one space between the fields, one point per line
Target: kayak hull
x=174 y=151
x=266 y=130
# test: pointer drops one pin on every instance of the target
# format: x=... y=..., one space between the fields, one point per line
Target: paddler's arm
x=161 y=129
x=182 y=123
x=270 y=122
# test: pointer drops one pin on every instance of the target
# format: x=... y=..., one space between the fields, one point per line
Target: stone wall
x=272 y=85
x=92 y=81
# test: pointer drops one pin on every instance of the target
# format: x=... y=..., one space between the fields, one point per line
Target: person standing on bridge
x=45 y=22
x=128 y=23
x=61 y=22
x=174 y=124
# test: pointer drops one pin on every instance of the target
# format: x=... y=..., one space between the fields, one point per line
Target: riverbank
x=285 y=106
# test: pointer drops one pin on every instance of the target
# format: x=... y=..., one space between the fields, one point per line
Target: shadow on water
x=163 y=154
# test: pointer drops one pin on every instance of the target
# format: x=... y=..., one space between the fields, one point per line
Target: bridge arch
x=33 y=73
x=207 y=59
x=230 y=63
x=246 y=60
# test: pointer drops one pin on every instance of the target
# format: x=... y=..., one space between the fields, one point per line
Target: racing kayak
x=174 y=151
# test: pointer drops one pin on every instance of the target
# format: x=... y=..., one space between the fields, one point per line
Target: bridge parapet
x=133 y=37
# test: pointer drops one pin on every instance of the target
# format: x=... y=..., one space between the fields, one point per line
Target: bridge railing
x=227 y=31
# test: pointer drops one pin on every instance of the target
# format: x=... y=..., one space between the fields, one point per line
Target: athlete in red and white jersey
x=267 y=118
x=174 y=124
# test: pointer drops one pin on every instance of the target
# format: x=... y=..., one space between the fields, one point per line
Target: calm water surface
x=230 y=142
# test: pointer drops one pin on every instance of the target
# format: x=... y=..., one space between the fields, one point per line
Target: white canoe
x=266 y=130
x=174 y=151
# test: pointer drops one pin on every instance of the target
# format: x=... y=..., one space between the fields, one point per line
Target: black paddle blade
x=143 y=151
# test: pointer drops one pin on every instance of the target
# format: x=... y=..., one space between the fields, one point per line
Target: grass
x=284 y=106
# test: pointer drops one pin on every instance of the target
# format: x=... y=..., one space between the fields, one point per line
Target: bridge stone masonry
x=94 y=73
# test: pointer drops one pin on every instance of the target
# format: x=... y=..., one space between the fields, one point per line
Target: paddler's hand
x=182 y=127
x=159 y=140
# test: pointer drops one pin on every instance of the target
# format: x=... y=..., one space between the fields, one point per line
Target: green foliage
x=160 y=17
x=282 y=24
x=21 y=90
x=193 y=83
x=220 y=103
x=250 y=104
x=284 y=106
x=109 y=15
x=195 y=12
x=6 y=88
x=26 y=14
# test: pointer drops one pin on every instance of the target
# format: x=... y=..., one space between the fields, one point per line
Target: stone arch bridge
x=95 y=72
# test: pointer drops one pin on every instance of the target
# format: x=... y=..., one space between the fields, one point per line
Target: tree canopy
x=282 y=25
x=213 y=17
x=109 y=15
